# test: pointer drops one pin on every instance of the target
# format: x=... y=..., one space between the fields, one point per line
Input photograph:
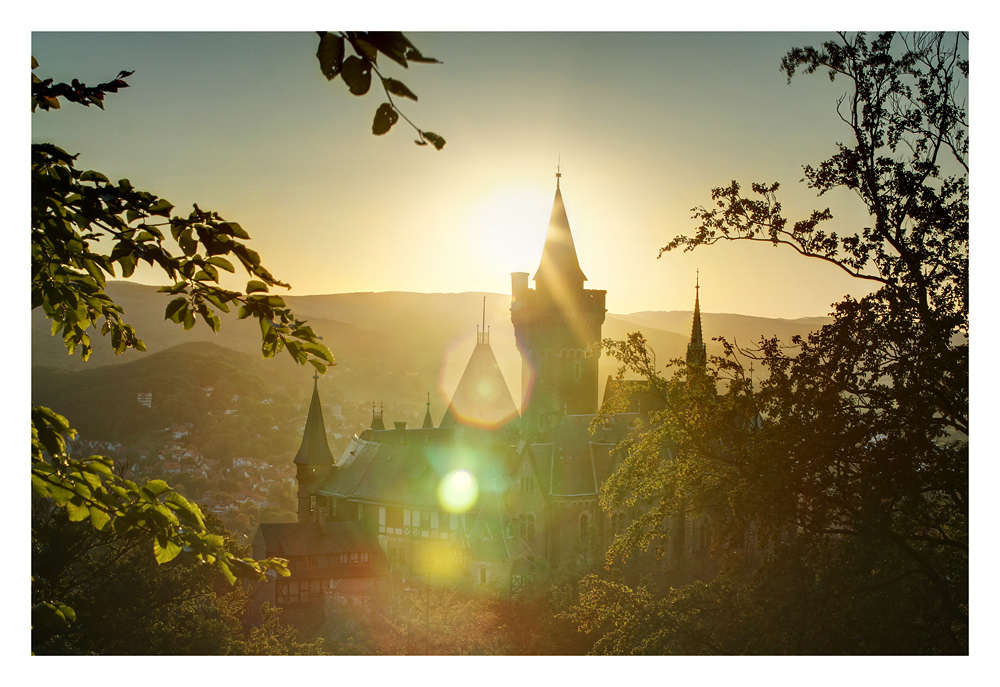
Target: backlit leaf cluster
x=85 y=229
x=357 y=68
x=90 y=489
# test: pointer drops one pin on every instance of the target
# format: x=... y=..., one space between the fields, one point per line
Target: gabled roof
x=314 y=449
x=575 y=462
x=482 y=397
x=630 y=396
x=559 y=265
x=492 y=536
x=289 y=539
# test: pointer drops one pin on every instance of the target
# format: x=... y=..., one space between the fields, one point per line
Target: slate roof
x=575 y=462
x=482 y=397
x=636 y=396
x=491 y=536
x=287 y=539
x=405 y=467
x=300 y=539
x=314 y=449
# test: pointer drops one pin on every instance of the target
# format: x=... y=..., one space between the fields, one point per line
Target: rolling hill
x=393 y=347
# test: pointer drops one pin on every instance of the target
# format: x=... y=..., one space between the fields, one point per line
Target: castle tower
x=697 y=357
x=313 y=462
x=557 y=326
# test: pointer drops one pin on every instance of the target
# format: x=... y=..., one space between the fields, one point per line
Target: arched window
x=584 y=526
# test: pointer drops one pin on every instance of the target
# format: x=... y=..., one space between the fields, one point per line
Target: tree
x=83 y=226
x=129 y=605
x=856 y=441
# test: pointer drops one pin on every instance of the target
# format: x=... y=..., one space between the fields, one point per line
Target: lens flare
x=458 y=491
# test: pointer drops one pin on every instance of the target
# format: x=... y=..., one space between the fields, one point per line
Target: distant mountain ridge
x=398 y=346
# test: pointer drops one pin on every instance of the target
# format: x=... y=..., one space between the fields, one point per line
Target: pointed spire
x=428 y=420
x=377 y=417
x=696 y=354
x=559 y=268
x=314 y=449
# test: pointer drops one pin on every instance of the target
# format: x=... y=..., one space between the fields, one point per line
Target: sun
x=508 y=227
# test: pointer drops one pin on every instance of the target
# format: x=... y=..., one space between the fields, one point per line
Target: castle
x=492 y=494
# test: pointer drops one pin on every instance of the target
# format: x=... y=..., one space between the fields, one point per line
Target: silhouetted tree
x=840 y=483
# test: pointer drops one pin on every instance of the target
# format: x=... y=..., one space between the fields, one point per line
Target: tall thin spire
x=428 y=420
x=696 y=354
x=314 y=449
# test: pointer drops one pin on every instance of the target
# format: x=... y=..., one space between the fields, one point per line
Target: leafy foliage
x=856 y=440
x=128 y=604
x=45 y=93
x=90 y=489
x=82 y=226
x=356 y=70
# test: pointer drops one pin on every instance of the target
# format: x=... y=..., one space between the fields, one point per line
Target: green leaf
x=235 y=229
x=161 y=207
x=167 y=551
x=330 y=54
x=385 y=117
x=221 y=263
x=366 y=49
x=175 y=309
x=98 y=518
x=224 y=567
x=392 y=44
x=91 y=175
x=254 y=286
x=414 y=55
x=435 y=140
x=157 y=487
x=185 y=509
x=357 y=75
x=398 y=88
x=77 y=510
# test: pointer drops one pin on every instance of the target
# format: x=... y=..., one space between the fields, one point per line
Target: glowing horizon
x=333 y=209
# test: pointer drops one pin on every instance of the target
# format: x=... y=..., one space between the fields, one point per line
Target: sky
x=641 y=125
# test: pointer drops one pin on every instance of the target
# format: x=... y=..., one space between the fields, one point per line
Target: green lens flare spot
x=458 y=491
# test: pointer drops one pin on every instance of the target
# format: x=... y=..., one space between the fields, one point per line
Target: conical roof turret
x=428 y=420
x=314 y=449
x=482 y=397
x=559 y=269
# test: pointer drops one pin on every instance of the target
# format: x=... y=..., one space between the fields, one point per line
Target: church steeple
x=559 y=270
x=696 y=354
